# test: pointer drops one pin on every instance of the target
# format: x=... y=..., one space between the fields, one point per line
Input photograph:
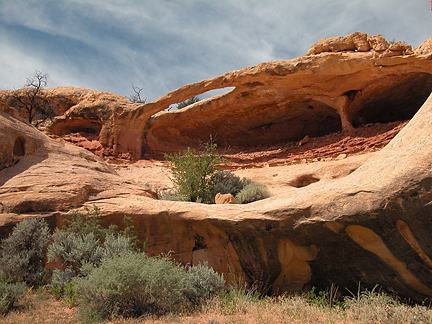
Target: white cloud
x=162 y=45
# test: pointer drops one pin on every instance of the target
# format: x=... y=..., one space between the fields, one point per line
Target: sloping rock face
x=345 y=222
x=342 y=83
x=39 y=175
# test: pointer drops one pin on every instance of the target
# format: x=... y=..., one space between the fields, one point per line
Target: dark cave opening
x=397 y=103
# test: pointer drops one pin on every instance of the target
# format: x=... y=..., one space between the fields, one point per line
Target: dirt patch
x=365 y=139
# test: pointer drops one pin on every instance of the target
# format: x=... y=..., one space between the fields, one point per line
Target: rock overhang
x=312 y=96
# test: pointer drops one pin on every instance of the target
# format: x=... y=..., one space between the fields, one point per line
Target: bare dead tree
x=137 y=96
x=31 y=101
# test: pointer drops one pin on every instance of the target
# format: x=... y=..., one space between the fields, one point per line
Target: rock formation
x=224 y=199
x=365 y=222
x=357 y=219
x=342 y=82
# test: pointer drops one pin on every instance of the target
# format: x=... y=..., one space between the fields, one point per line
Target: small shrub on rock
x=23 y=252
x=228 y=182
x=194 y=172
x=252 y=192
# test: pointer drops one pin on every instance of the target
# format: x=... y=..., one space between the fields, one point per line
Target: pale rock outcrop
x=425 y=48
x=360 y=42
x=39 y=175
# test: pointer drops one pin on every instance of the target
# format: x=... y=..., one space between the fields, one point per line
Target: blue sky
x=161 y=45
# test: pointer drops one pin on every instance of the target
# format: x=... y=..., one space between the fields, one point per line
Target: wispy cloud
x=162 y=45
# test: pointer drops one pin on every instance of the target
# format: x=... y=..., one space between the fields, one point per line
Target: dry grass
x=40 y=307
x=244 y=308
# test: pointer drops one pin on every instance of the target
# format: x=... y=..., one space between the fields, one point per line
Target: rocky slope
x=334 y=217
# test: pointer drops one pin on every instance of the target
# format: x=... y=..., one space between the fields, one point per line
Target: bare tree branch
x=31 y=102
x=137 y=96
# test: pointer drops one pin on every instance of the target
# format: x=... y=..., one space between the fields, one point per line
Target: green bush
x=228 y=182
x=77 y=252
x=194 y=172
x=132 y=284
x=80 y=223
x=23 y=252
x=252 y=192
x=135 y=284
x=205 y=283
x=71 y=250
x=10 y=293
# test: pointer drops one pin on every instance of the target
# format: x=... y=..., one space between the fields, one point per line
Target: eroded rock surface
x=356 y=219
x=42 y=176
x=343 y=83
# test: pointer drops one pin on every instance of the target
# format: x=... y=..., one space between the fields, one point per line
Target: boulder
x=224 y=198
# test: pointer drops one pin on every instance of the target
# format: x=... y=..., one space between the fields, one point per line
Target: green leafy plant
x=194 y=172
x=23 y=252
x=82 y=244
x=77 y=254
x=134 y=284
x=252 y=192
x=85 y=223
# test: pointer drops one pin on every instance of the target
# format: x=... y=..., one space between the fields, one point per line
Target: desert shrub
x=76 y=252
x=193 y=172
x=82 y=244
x=23 y=252
x=10 y=293
x=85 y=223
x=169 y=195
x=252 y=192
x=90 y=222
x=132 y=284
x=205 y=283
x=71 y=250
x=188 y=102
x=227 y=182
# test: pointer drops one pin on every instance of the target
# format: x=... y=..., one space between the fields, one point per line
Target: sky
x=161 y=45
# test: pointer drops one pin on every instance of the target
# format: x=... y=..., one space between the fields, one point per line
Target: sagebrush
x=252 y=192
x=134 y=284
x=23 y=252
